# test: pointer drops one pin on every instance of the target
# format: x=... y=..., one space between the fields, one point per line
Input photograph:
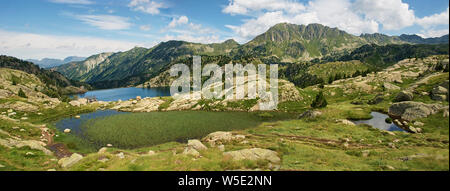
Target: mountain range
x=281 y=43
x=51 y=62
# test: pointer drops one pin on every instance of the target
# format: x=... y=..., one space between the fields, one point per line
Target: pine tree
x=320 y=101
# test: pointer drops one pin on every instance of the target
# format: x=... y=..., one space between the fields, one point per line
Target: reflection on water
x=378 y=121
x=126 y=93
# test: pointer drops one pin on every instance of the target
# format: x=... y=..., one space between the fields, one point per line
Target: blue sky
x=61 y=28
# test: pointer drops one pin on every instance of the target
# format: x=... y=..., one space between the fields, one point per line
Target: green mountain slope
x=124 y=68
x=57 y=83
x=283 y=43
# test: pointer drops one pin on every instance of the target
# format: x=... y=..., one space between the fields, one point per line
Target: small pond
x=379 y=121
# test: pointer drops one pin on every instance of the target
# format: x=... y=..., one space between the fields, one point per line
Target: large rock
x=390 y=86
x=36 y=145
x=440 y=93
x=196 y=144
x=404 y=96
x=221 y=137
x=191 y=151
x=254 y=154
x=70 y=161
x=310 y=114
x=409 y=110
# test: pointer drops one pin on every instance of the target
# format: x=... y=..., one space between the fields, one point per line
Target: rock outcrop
x=254 y=154
x=404 y=96
x=413 y=110
x=220 y=137
x=67 y=162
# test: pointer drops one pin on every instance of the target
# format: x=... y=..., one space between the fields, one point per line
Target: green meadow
x=145 y=129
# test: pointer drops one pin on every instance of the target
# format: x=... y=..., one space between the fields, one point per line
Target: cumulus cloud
x=81 y=2
x=146 y=6
x=178 y=21
x=38 y=46
x=181 y=28
x=206 y=39
x=333 y=13
x=246 y=6
x=105 y=22
x=433 y=33
x=434 y=20
x=391 y=14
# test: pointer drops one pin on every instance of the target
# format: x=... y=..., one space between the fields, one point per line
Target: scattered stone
x=1 y=166
x=24 y=118
x=365 y=153
x=390 y=167
x=67 y=162
x=151 y=153
x=390 y=86
x=346 y=122
x=196 y=144
x=221 y=137
x=102 y=150
x=378 y=99
x=346 y=145
x=419 y=124
x=254 y=154
x=221 y=147
x=121 y=155
x=77 y=117
x=138 y=98
x=67 y=130
x=29 y=153
x=404 y=96
x=389 y=133
x=191 y=151
x=310 y=114
x=51 y=170
x=15 y=128
x=22 y=130
x=109 y=145
x=396 y=141
x=412 y=129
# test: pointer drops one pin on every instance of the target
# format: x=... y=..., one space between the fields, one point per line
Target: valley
x=331 y=83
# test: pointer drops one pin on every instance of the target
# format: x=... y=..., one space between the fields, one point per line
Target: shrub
x=21 y=93
x=320 y=101
x=388 y=120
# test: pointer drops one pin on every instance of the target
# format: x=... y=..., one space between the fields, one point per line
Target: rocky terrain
x=414 y=92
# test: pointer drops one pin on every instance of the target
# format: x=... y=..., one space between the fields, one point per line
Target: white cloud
x=333 y=13
x=434 y=20
x=105 y=22
x=206 y=39
x=178 y=21
x=246 y=6
x=146 y=6
x=433 y=33
x=392 y=14
x=38 y=46
x=81 y=2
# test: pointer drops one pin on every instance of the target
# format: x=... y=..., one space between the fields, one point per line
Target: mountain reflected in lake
x=125 y=93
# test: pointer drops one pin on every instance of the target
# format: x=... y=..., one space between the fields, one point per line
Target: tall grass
x=145 y=129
